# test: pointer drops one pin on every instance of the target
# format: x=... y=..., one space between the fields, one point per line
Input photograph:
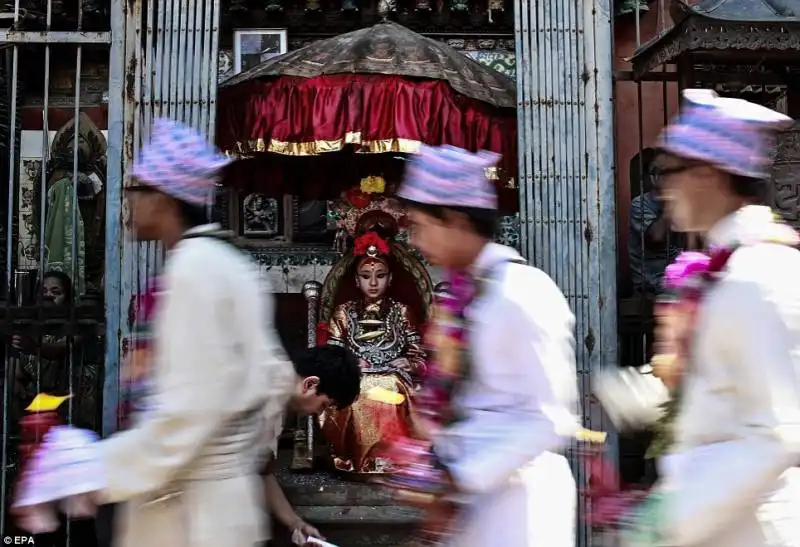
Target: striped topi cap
x=179 y=162
x=450 y=177
x=734 y=135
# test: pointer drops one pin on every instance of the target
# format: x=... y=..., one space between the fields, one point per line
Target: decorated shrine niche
x=294 y=181
x=374 y=301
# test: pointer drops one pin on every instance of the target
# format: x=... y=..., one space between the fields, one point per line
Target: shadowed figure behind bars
x=651 y=246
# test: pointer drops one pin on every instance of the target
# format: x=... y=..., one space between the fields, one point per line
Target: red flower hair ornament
x=371 y=245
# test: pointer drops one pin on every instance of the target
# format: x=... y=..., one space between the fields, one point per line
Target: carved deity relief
x=785 y=191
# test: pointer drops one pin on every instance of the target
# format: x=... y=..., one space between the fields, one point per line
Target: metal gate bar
x=52 y=37
x=169 y=69
x=566 y=164
x=25 y=312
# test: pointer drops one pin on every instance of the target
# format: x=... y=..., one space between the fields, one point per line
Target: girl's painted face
x=373 y=278
x=54 y=291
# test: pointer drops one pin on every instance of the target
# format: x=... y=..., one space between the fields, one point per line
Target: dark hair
x=338 y=370
x=193 y=215
x=64 y=279
x=483 y=221
x=751 y=189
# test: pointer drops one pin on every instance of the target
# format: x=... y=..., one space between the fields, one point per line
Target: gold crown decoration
x=347 y=216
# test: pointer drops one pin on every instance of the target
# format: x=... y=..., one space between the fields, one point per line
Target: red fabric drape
x=313 y=114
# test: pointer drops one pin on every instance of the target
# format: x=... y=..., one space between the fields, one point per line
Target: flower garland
x=691 y=276
x=137 y=362
x=420 y=472
x=448 y=362
x=450 y=348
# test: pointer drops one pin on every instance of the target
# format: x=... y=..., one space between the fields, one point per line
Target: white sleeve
x=538 y=318
x=711 y=486
x=200 y=382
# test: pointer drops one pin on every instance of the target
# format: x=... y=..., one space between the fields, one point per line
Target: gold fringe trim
x=315 y=148
x=245 y=149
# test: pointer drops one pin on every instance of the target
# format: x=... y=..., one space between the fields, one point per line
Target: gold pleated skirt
x=361 y=435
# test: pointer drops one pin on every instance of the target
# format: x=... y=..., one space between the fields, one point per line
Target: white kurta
x=520 y=406
x=188 y=468
x=738 y=436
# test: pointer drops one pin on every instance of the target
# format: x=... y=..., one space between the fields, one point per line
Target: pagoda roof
x=721 y=25
x=743 y=11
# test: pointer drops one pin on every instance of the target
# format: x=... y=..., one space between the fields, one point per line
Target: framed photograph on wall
x=253 y=46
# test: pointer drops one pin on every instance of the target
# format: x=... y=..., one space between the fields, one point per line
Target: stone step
x=327 y=490
x=357 y=537
x=348 y=513
x=349 y=526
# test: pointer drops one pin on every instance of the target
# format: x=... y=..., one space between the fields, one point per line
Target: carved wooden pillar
x=686 y=76
x=303 y=456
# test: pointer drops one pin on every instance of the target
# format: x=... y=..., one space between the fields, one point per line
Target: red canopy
x=299 y=116
x=377 y=91
x=366 y=112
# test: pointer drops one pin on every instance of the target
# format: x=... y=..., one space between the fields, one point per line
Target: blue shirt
x=647 y=263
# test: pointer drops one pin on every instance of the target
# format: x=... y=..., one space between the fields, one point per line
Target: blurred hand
x=438 y=519
x=416 y=499
x=422 y=428
x=308 y=531
x=364 y=364
x=40 y=519
x=668 y=369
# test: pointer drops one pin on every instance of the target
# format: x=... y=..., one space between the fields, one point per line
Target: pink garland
x=687 y=267
x=436 y=396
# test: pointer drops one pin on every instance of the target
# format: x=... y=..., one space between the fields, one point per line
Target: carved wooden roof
x=454 y=18
x=743 y=11
x=723 y=25
x=32 y=14
x=389 y=48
